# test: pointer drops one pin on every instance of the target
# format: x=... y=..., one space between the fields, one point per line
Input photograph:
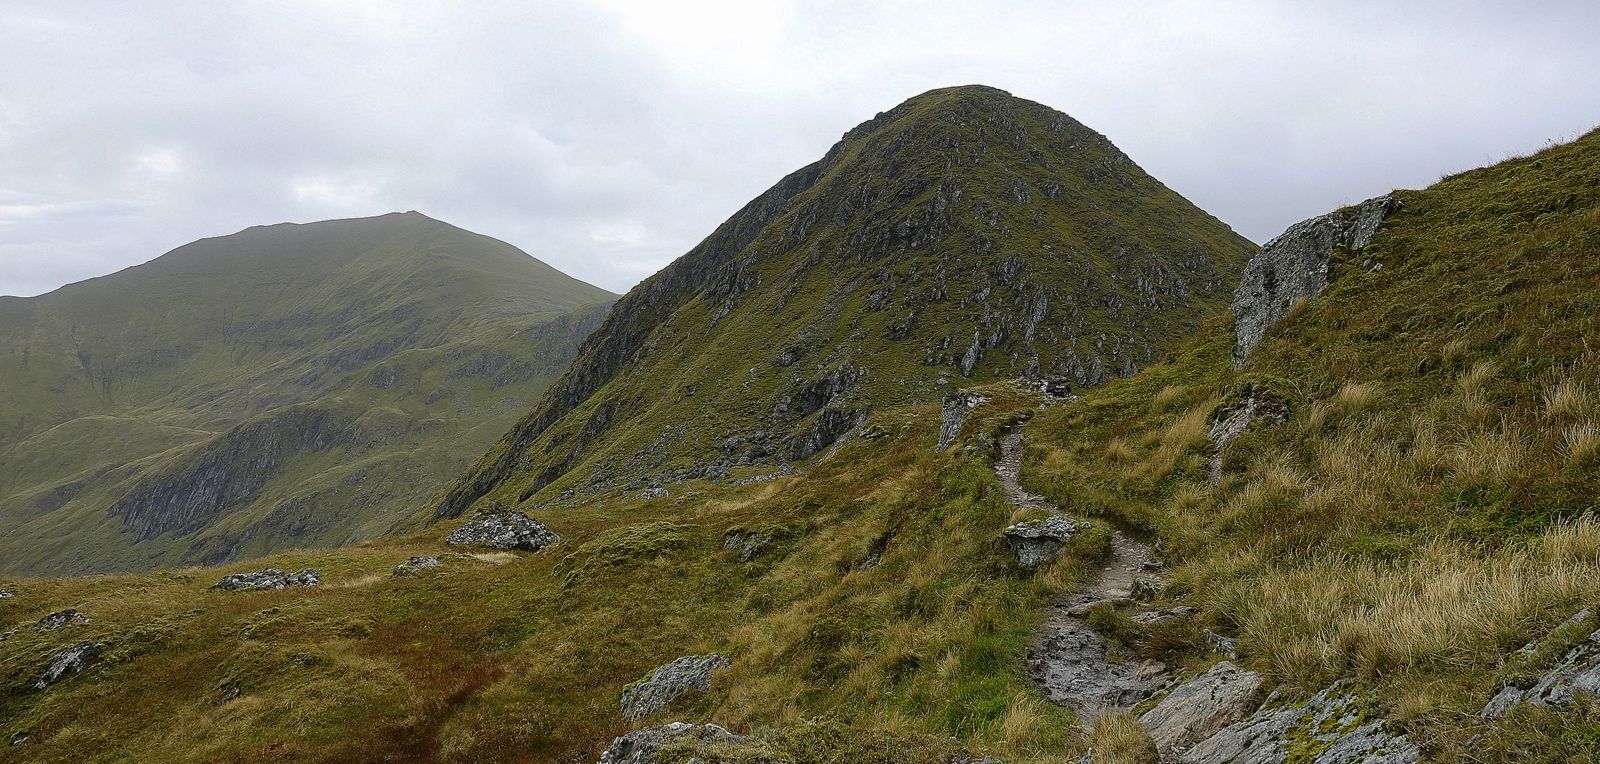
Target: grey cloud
x=607 y=138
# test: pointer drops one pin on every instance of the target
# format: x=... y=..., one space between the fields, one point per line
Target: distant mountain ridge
x=965 y=234
x=177 y=411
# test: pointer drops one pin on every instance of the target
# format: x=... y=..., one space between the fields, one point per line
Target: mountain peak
x=963 y=234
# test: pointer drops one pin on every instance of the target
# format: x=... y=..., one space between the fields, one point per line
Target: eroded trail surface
x=1069 y=661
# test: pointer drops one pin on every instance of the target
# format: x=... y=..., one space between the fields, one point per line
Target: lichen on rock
x=268 y=578
x=502 y=528
x=641 y=745
x=1036 y=542
x=1295 y=265
x=666 y=683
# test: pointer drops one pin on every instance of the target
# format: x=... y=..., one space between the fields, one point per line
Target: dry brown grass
x=1580 y=443
x=1568 y=399
x=1446 y=611
x=1120 y=739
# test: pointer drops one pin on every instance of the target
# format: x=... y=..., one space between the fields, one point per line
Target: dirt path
x=1069 y=661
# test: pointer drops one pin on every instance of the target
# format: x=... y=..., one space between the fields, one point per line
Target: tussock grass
x=1120 y=739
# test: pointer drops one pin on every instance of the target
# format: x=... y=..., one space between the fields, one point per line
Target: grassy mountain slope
x=1420 y=514
x=289 y=385
x=963 y=235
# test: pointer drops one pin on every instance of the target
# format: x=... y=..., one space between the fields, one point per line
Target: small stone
x=5 y=594
x=640 y=746
x=414 y=565
x=654 y=492
x=1147 y=588
x=1157 y=617
x=500 y=528
x=1227 y=647
x=60 y=620
x=1036 y=542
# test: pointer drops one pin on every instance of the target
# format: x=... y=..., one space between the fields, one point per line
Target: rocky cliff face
x=963 y=234
x=1295 y=266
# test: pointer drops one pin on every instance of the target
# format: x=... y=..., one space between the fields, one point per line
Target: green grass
x=1428 y=506
x=522 y=657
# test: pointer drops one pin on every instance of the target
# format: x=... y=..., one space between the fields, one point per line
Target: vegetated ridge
x=285 y=386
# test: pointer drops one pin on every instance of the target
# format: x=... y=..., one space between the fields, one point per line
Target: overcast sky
x=608 y=137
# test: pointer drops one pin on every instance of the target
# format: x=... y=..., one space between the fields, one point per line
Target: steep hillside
x=1363 y=511
x=964 y=235
x=285 y=386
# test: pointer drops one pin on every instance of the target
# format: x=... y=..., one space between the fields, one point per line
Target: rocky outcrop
x=68 y=662
x=1331 y=728
x=1254 y=402
x=750 y=544
x=268 y=578
x=60 y=620
x=502 y=528
x=1295 y=265
x=641 y=746
x=1578 y=673
x=228 y=471
x=653 y=693
x=953 y=413
x=1201 y=706
x=414 y=565
x=1036 y=542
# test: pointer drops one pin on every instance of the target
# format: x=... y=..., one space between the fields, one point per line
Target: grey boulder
x=503 y=529
x=1295 y=265
x=67 y=662
x=654 y=692
x=1036 y=542
x=641 y=745
x=268 y=578
x=60 y=620
x=750 y=544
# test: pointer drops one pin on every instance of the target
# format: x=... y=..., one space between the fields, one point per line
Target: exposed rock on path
x=1330 y=728
x=1069 y=661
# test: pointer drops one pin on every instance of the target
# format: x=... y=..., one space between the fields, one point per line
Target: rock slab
x=1330 y=728
x=1578 y=672
x=653 y=693
x=1295 y=265
x=953 y=413
x=1036 y=542
x=1201 y=706
x=68 y=662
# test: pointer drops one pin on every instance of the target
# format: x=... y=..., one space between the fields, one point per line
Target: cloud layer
x=606 y=138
